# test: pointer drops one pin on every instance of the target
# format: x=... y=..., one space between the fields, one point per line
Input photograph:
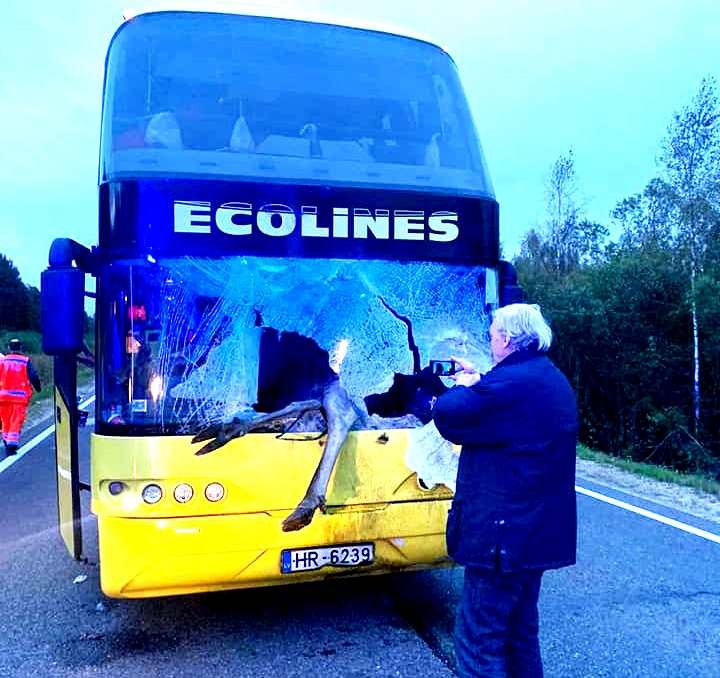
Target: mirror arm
x=65 y=251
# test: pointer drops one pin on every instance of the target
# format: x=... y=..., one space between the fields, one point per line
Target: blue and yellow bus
x=295 y=219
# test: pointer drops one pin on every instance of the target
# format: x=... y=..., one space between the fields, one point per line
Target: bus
x=297 y=231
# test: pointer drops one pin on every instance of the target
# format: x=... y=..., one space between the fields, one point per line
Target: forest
x=636 y=316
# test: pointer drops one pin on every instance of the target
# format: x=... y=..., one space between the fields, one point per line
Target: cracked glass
x=192 y=342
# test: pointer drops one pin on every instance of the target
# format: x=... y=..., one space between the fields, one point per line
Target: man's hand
x=468 y=375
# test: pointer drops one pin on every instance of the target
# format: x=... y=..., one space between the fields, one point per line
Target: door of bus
x=63 y=319
x=66 y=458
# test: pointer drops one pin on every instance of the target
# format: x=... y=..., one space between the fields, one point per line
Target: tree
x=646 y=218
x=690 y=162
x=32 y=321
x=562 y=212
x=567 y=240
x=14 y=303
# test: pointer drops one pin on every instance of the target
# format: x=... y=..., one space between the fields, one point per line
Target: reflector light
x=115 y=487
x=214 y=492
x=183 y=493
x=152 y=494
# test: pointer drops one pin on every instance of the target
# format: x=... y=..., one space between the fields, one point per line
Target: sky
x=600 y=77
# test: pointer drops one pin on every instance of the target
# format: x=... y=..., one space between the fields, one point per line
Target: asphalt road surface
x=643 y=600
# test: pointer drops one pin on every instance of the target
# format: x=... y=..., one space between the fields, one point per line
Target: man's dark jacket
x=514 y=506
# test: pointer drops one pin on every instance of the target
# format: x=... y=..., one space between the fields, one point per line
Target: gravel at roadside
x=687 y=499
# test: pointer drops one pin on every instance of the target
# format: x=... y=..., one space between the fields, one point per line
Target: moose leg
x=341 y=416
x=221 y=434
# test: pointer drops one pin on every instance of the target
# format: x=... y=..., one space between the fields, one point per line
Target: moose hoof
x=299 y=518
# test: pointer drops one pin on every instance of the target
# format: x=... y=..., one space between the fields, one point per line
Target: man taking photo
x=513 y=514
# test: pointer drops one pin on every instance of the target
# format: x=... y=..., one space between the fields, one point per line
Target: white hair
x=524 y=326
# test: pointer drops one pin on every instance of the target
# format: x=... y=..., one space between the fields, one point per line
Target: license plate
x=346 y=555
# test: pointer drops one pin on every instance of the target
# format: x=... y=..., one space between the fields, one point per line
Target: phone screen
x=442 y=368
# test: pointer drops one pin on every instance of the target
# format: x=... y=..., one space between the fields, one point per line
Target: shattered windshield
x=190 y=342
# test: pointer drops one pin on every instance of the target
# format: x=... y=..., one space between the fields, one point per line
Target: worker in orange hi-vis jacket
x=17 y=379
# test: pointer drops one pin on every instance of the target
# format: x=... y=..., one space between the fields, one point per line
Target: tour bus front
x=291 y=212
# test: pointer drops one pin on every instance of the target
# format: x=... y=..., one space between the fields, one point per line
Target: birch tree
x=690 y=163
x=562 y=210
x=567 y=239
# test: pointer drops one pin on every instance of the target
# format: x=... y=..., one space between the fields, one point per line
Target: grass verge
x=666 y=475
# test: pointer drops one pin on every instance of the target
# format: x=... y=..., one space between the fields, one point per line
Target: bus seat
x=163 y=131
x=432 y=151
x=241 y=140
x=305 y=145
x=310 y=132
x=279 y=144
x=439 y=152
x=345 y=150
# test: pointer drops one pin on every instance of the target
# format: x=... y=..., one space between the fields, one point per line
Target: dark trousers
x=496 y=630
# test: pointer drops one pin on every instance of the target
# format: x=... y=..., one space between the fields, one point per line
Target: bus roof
x=274 y=10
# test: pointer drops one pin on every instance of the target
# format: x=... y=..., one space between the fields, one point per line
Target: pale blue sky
x=601 y=77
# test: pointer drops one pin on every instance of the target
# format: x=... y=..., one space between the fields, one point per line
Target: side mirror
x=510 y=290
x=62 y=310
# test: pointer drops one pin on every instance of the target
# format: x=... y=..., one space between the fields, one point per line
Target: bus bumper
x=147 y=557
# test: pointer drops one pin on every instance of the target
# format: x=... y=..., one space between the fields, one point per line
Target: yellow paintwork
x=172 y=548
x=63 y=469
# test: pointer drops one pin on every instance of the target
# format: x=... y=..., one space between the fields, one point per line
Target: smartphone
x=443 y=368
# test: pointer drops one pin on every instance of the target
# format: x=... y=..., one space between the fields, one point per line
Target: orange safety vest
x=14 y=382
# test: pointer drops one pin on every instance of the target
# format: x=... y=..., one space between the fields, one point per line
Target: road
x=643 y=600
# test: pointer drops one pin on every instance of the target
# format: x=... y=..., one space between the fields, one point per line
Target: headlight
x=152 y=494
x=183 y=493
x=214 y=492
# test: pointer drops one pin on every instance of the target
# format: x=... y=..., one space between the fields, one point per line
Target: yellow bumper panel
x=152 y=557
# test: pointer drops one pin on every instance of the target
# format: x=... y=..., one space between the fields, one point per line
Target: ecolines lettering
x=276 y=220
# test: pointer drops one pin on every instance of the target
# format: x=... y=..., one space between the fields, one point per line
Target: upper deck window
x=203 y=95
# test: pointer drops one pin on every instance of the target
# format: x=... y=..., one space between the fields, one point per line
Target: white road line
x=34 y=442
x=649 y=514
